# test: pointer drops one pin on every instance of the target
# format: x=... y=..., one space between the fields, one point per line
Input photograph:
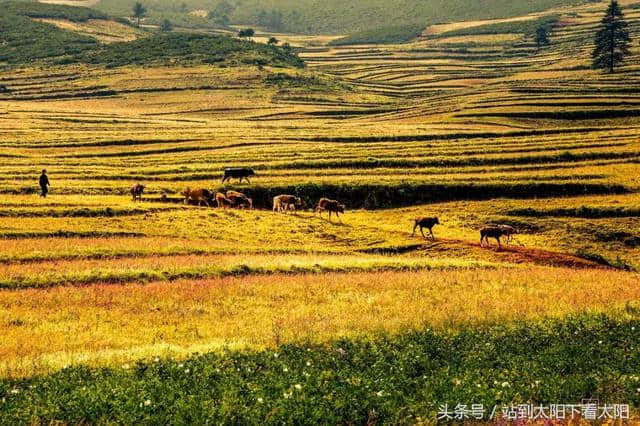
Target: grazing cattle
x=136 y=191
x=222 y=201
x=332 y=206
x=509 y=231
x=238 y=199
x=283 y=203
x=491 y=232
x=198 y=195
x=425 y=222
x=237 y=173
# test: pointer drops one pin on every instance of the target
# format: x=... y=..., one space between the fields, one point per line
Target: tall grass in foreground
x=401 y=379
x=45 y=329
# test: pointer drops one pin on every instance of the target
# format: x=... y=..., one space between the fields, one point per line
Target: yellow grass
x=47 y=329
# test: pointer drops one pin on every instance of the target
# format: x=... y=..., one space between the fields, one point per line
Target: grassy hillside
x=187 y=48
x=384 y=35
x=25 y=39
x=333 y=16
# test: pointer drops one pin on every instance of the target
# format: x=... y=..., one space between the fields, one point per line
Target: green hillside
x=330 y=16
x=24 y=39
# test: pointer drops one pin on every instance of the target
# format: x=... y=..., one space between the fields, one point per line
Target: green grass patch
x=384 y=35
x=392 y=379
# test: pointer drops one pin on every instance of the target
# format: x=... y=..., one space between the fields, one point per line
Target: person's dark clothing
x=44 y=183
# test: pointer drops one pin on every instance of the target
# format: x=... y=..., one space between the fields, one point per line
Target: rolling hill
x=66 y=34
x=331 y=16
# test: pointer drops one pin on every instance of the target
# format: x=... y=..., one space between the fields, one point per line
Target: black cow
x=237 y=173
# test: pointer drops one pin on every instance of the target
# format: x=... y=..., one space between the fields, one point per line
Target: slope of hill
x=335 y=16
x=36 y=31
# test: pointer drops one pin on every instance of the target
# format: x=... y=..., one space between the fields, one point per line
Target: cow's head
x=298 y=202
x=341 y=208
x=436 y=221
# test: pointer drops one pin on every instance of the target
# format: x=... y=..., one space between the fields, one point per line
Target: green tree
x=542 y=36
x=139 y=11
x=166 y=26
x=286 y=47
x=612 y=39
x=272 y=41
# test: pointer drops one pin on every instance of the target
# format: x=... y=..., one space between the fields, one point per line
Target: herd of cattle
x=285 y=203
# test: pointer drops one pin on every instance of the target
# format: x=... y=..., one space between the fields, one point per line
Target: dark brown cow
x=491 y=232
x=222 y=201
x=332 y=206
x=283 y=203
x=425 y=222
x=198 y=195
x=238 y=199
x=237 y=173
x=136 y=191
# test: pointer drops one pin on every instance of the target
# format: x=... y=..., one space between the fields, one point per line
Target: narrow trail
x=517 y=254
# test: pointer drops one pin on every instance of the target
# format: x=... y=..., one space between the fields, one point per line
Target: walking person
x=44 y=184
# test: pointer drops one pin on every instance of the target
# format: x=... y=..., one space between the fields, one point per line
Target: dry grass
x=46 y=329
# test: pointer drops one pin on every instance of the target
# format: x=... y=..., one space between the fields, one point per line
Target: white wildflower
x=147 y=402
x=298 y=386
x=260 y=400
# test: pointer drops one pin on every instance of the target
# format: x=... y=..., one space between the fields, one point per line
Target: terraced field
x=474 y=129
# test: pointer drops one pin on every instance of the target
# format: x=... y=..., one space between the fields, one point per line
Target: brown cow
x=283 y=203
x=198 y=195
x=425 y=222
x=221 y=200
x=491 y=232
x=136 y=191
x=332 y=206
x=238 y=199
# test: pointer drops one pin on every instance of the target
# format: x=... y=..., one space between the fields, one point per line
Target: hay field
x=474 y=130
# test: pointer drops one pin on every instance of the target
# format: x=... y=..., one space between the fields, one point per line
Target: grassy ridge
x=191 y=48
x=389 y=195
x=384 y=35
x=527 y=27
x=25 y=40
x=390 y=379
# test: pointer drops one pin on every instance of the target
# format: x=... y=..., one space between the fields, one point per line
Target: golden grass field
x=492 y=125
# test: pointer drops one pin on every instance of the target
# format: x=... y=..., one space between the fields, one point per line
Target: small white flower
x=125 y=367
x=457 y=382
x=156 y=359
x=186 y=370
x=298 y=386
x=600 y=342
x=479 y=385
x=505 y=384
x=379 y=393
x=275 y=355
x=260 y=400
x=287 y=395
x=285 y=369
x=147 y=402
x=308 y=363
x=15 y=391
x=633 y=328
x=180 y=365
